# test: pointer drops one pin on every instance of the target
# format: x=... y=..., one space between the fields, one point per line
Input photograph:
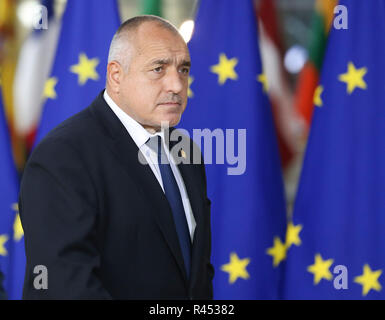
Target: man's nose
x=174 y=81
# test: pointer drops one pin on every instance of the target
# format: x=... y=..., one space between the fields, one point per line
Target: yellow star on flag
x=292 y=235
x=278 y=251
x=320 y=269
x=49 y=88
x=190 y=94
x=263 y=79
x=3 y=240
x=236 y=268
x=225 y=69
x=369 y=280
x=18 y=231
x=85 y=69
x=317 y=96
x=354 y=78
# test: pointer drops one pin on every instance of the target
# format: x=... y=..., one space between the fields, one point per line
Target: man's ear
x=114 y=75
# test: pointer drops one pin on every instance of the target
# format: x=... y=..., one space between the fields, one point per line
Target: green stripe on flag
x=153 y=7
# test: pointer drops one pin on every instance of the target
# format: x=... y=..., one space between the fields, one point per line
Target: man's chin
x=170 y=121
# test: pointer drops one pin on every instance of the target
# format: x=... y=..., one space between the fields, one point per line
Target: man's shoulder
x=65 y=140
x=81 y=131
x=81 y=122
x=75 y=129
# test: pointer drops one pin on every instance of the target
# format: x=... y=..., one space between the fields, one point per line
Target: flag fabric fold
x=309 y=76
x=12 y=253
x=33 y=68
x=289 y=125
x=339 y=213
x=227 y=93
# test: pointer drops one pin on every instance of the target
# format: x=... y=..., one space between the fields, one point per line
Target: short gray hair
x=121 y=44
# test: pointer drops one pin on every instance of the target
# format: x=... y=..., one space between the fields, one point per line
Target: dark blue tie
x=175 y=200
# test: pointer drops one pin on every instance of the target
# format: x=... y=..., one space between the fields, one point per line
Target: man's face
x=154 y=89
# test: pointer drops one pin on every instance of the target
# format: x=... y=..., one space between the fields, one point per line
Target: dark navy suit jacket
x=100 y=222
x=2 y=291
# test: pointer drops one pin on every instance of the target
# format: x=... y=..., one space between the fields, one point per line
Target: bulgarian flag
x=308 y=79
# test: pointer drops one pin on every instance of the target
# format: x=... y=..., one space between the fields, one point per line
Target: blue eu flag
x=12 y=253
x=79 y=69
x=227 y=96
x=339 y=214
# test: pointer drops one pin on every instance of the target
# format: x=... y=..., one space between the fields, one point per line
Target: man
x=103 y=224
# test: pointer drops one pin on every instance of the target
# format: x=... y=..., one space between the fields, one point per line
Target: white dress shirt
x=140 y=137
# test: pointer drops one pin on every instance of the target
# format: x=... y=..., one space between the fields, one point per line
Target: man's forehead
x=151 y=34
x=184 y=61
x=154 y=27
x=158 y=48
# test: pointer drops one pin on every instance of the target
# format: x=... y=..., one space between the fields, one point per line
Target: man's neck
x=149 y=129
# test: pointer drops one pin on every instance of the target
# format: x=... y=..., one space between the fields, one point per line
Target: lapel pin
x=183 y=154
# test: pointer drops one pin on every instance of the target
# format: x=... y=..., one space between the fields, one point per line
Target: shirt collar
x=139 y=134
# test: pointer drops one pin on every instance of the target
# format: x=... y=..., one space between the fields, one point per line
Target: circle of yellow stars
x=354 y=80
x=237 y=267
x=225 y=69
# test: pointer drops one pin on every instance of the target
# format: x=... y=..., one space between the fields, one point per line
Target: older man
x=102 y=223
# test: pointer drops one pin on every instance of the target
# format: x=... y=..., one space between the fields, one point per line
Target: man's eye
x=158 y=69
x=185 y=70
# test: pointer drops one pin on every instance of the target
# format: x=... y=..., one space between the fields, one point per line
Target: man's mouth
x=170 y=103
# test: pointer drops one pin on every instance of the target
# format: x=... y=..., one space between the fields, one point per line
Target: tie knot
x=154 y=143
